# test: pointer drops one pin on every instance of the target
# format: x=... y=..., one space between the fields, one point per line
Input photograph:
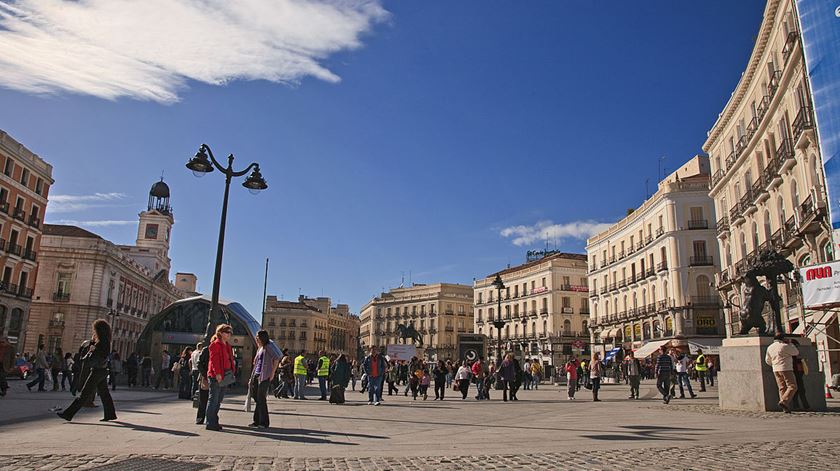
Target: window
x=567 y=302
x=63 y=285
x=567 y=327
x=479 y=315
x=479 y=298
x=699 y=248
x=9 y=167
x=39 y=185
x=543 y=282
x=24 y=177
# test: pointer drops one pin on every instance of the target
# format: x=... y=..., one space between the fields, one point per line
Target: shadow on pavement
x=649 y=432
x=144 y=428
x=295 y=435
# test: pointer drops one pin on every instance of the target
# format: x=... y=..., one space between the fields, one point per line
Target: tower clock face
x=151 y=231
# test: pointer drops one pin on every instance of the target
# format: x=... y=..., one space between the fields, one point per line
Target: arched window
x=646 y=330
x=657 y=329
x=479 y=314
x=755 y=241
x=635 y=303
x=567 y=327
x=767 y=230
x=665 y=295
x=826 y=250
x=524 y=329
x=794 y=194
x=644 y=297
x=669 y=326
x=743 y=246
x=516 y=330
x=15 y=322
x=534 y=329
x=585 y=327
x=780 y=205
x=703 y=286
x=728 y=254
x=507 y=331
x=545 y=327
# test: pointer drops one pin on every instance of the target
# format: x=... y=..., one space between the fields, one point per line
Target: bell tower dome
x=155 y=226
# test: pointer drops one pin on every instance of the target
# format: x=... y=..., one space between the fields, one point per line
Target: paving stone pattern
x=831 y=412
x=781 y=455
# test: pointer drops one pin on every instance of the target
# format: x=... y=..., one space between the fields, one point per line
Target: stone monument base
x=745 y=382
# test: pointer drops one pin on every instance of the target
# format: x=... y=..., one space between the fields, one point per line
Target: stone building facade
x=83 y=277
x=544 y=306
x=25 y=182
x=439 y=312
x=313 y=324
x=767 y=177
x=651 y=274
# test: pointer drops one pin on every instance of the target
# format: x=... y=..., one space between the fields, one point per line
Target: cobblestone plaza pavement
x=541 y=431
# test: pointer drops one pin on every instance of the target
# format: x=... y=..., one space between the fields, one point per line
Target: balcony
x=723 y=227
x=604 y=290
x=717 y=176
x=14 y=249
x=648 y=239
x=790 y=45
x=603 y=263
x=701 y=261
x=4 y=207
x=803 y=122
x=748 y=203
x=34 y=221
x=568 y=310
x=30 y=255
x=621 y=255
x=544 y=312
x=56 y=323
x=775 y=79
x=662 y=266
x=810 y=216
x=24 y=292
x=730 y=160
x=449 y=311
x=736 y=213
x=19 y=214
x=622 y=284
x=698 y=224
x=785 y=156
x=61 y=297
x=449 y=328
x=650 y=272
x=593 y=293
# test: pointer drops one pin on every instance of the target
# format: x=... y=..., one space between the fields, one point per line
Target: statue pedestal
x=745 y=382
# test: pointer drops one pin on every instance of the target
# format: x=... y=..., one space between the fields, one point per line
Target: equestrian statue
x=409 y=332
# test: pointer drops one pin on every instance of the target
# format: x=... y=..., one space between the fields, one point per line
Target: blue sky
x=396 y=137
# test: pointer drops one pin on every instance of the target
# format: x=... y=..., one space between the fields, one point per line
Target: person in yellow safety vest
x=323 y=373
x=300 y=375
x=700 y=368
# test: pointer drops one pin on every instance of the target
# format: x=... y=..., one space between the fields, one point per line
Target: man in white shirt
x=164 y=371
x=196 y=354
x=682 y=364
x=780 y=356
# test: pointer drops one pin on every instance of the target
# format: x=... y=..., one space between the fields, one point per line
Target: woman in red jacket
x=220 y=373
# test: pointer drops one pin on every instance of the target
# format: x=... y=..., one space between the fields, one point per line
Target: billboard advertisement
x=820 y=26
x=820 y=285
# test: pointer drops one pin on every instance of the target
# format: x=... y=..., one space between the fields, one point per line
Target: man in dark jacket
x=664 y=367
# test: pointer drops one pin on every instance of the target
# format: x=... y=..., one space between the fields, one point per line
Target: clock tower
x=154 y=229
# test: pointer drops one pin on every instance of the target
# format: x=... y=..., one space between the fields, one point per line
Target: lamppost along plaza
x=499 y=323
x=201 y=164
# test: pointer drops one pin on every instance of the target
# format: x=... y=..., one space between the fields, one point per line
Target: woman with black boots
x=96 y=360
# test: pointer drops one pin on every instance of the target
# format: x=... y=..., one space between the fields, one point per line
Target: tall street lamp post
x=499 y=323
x=201 y=164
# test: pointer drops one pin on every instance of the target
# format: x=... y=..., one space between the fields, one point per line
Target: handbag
x=227 y=379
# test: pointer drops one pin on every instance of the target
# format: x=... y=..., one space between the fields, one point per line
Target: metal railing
x=698 y=224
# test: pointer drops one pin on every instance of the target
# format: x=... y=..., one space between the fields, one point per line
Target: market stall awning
x=647 y=349
x=613 y=333
x=709 y=346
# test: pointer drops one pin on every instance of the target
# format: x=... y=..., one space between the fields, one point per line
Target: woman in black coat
x=96 y=360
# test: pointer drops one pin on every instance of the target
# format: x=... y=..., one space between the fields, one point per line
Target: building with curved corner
x=651 y=274
x=767 y=177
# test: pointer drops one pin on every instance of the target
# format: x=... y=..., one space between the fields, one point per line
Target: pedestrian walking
x=463 y=378
x=571 y=368
x=779 y=356
x=701 y=368
x=536 y=374
x=323 y=374
x=392 y=377
x=146 y=372
x=55 y=367
x=340 y=379
x=131 y=368
x=115 y=368
x=165 y=371
x=301 y=374
x=634 y=372
x=664 y=367
x=185 y=382
x=40 y=363
x=374 y=367
x=440 y=372
x=800 y=369
x=507 y=373
x=220 y=373
x=203 y=385
x=682 y=366
x=194 y=370
x=67 y=371
x=526 y=373
x=478 y=375
x=96 y=361
x=5 y=348
x=450 y=373
x=596 y=370
x=354 y=374
x=265 y=363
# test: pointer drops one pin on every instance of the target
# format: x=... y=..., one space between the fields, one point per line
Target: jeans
x=203 y=396
x=67 y=377
x=146 y=377
x=375 y=389
x=663 y=384
x=259 y=391
x=635 y=381
x=596 y=386
x=535 y=381
x=572 y=387
x=464 y=387
x=39 y=379
x=300 y=384
x=322 y=385
x=682 y=378
x=440 y=388
x=353 y=382
x=214 y=402
x=194 y=387
x=94 y=384
x=55 y=373
x=508 y=386
x=701 y=375
x=479 y=385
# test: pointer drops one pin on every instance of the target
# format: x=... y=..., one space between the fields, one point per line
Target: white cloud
x=101 y=223
x=74 y=203
x=548 y=231
x=148 y=49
